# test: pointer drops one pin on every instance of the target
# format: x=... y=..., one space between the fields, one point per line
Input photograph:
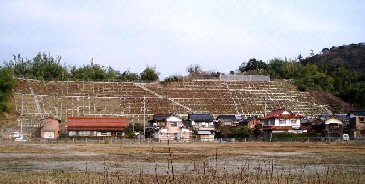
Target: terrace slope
x=79 y=98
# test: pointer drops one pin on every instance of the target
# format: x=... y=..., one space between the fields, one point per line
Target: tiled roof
x=230 y=117
x=278 y=113
x=96 y=123
x=160 y=117
x=358 y=113
x=200 y=117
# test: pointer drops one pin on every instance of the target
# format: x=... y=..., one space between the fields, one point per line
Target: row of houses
x=204 y=127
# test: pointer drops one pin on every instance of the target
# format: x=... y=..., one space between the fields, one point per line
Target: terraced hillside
x=78 y=98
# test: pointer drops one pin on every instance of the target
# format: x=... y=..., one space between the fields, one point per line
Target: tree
x=129 y=76
x=7 y=83
x=194 y=70
x=300 y=58
x=42 y=66
x=129 y=133
x=89 y=72
x=173 y=78
x=150 y=74
x=253 y=64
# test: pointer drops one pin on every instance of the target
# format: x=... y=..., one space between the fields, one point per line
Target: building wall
x=173 y=130
x=206 y=137
x=287 y=122
x=202 y=124
x=360 y=126
x=282 y=122
x=93 y=134
x=50 y=125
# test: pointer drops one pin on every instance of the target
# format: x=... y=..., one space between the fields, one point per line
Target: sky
x=171 y=35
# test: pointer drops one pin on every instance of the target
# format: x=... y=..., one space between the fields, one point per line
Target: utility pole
x=144 y=116
x=265 y=106
x=21 y=118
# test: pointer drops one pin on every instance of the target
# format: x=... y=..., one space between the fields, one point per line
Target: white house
x=283 y=121
x=173 y=130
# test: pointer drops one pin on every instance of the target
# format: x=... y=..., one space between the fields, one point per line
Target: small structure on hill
x=172 y=128
x=242 y=77
x=50 y=128
x=203 y=126
x=282 y=121
x=96 y=126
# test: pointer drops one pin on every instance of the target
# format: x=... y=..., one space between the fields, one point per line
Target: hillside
x=351 y=57
x=344 y=68
x=77 y=98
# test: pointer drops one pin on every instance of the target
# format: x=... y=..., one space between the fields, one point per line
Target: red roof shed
x=96 y=123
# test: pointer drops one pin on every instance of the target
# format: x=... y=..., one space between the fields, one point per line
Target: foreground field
x=290 y=162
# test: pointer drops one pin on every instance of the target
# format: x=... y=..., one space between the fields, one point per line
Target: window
x=72 y=133
x=270 y=122
x=281 y=121
x=362 y=119
x=293 y=121
x=333 y=126
x=162 y=124
x=173 y=124
x=84 y=133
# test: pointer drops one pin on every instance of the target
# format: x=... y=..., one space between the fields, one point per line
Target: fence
x=109 y=140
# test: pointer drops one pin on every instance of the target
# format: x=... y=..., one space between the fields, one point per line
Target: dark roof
x=200 y=117
x=230 y=117
x=160 y=117
x=342 y=117
x=357 y=113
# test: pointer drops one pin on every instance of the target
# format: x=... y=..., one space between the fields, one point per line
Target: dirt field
x=162 y=159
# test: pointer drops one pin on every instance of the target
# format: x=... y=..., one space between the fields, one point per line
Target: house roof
x=96 y=123
x=160 y=117
x=230 y=118
x=201 y=117
x=342 y=117
x=279 y=113
x=357 y=113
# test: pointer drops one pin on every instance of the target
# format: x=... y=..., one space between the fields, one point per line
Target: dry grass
x=251 y=162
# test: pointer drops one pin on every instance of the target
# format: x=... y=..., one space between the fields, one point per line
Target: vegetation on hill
x=350 y=57
x=7 y=83
x=46 y=67
x=339 y=71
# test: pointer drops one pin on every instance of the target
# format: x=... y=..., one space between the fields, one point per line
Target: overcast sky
x=218 y=35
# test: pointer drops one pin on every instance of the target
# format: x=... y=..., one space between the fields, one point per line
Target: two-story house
x=203 y=126
x=172 y=128
x=333 y=127
x=282 y=121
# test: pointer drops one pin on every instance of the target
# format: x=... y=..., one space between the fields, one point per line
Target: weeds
x=211 y=175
